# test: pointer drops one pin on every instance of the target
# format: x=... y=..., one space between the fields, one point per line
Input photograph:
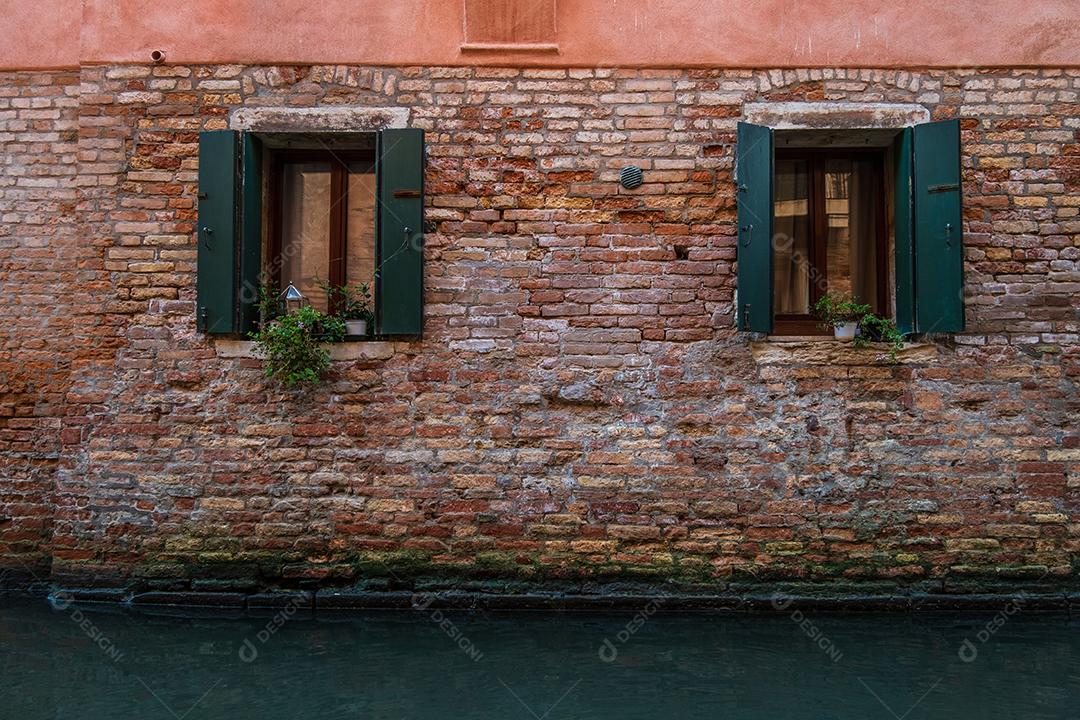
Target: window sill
x=348 y=350
x=819 y=350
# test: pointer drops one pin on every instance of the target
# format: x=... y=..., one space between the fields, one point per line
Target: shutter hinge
x=746 y=316
x=203 y=318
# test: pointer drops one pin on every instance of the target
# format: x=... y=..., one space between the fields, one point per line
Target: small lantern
x=292 y=298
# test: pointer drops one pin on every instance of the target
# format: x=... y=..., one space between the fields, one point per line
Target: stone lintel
x=835 y=115
x=319 y=119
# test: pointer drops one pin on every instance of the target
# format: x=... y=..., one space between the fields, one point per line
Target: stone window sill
x=348 y=350
x=823 y=350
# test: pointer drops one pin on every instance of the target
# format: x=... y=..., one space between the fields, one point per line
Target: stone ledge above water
x=605 y=601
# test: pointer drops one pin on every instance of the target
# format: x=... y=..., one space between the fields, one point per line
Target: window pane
x=360 y=226
x=791 y=239
x=305 y=241
x=851 y=219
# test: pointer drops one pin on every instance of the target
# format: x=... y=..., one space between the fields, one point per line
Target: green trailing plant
x=832 y=311
x=874 y=328
x=292 y=346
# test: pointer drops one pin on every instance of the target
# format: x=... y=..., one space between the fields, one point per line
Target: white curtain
x=791 y=238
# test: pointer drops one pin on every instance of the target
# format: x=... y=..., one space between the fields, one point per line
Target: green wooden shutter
x=754 y=179
x=939 y=260
x=903 y=230
x=216 y=281
x=251 y=193
x=400 y=280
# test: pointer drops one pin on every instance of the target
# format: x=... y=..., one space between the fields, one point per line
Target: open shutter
x=754 y=179
x=400 y=278
x=216 y=280
x=939 y=261
x=903 y=228
x=251 y=193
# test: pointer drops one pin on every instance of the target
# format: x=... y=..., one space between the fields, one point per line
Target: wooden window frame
x=816 y=159
x=339 y=161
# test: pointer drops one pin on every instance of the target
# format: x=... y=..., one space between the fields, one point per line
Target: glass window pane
x=360 y=227
x=791 y=238
x=851 y=219
x=305 y=242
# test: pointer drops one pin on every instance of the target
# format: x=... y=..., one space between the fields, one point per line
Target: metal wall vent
x=631 y=177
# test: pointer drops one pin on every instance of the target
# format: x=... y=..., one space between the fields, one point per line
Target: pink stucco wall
x=39 y=34
x=726 y=33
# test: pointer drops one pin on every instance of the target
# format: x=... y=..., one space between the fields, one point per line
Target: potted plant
x=841 y=314
x=353 y=305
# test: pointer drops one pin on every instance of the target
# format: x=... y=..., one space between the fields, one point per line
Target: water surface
x=76 y=662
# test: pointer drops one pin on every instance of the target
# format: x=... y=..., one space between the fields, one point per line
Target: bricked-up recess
x=509 y=22
x=581 y=403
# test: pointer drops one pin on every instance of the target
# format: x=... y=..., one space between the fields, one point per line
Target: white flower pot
x=845 y=332
x=356 y=327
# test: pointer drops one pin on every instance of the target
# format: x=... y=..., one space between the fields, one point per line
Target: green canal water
x=78 y=662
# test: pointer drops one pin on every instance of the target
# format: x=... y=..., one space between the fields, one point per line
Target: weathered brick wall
x=38 y=275
x=581 y=404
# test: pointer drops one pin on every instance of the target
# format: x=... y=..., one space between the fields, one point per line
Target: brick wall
x=581 y=405
x=38 y=278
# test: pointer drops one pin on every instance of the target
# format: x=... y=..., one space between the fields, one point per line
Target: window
x=322 y=220
x=880 y=223
x=829 y=233
x=342 y=216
